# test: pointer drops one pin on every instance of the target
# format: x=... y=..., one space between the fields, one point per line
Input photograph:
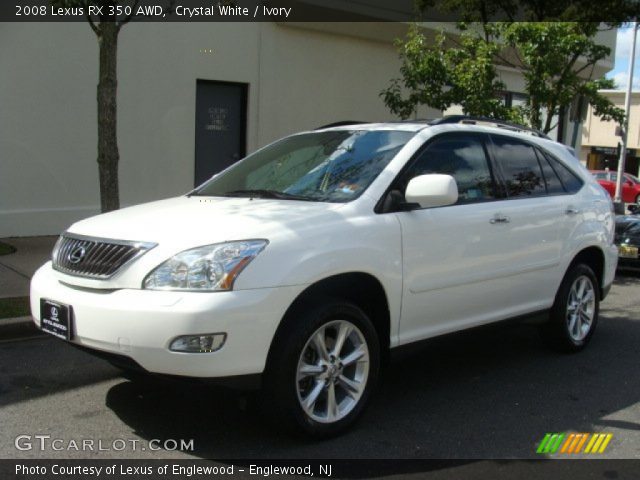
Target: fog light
x=206 y=343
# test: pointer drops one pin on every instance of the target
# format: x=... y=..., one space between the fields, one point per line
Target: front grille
x=95 y=257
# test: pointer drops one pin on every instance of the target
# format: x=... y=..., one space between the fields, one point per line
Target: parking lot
x=490 y=393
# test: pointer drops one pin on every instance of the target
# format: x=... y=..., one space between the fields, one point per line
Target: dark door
x=221 y=126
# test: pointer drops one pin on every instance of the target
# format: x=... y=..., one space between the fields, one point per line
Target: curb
x=11 y=328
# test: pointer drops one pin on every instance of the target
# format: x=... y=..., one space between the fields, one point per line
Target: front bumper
x=140 y=324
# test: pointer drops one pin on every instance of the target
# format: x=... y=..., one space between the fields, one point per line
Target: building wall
x=599 y=133
x=300 y=76
x=298 y=79
x=599 y=139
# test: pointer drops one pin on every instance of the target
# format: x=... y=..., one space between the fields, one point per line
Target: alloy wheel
x=581 y=307
x=332 y=371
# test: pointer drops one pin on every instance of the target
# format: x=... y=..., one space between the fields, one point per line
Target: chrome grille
x=95 y=257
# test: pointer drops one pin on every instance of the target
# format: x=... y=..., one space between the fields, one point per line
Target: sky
x=623 y=49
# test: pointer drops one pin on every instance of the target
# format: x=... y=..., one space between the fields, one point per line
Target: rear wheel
x=574 y=315
x=323 y=372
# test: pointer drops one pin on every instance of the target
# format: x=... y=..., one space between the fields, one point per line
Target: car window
x=552 y=181
x=519 y=167
x=462 y=157
x=329 y=166
x=571 y=182
x=600 y=175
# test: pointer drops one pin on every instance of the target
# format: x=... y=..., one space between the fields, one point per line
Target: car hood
x=628 y=229
x=193 y=221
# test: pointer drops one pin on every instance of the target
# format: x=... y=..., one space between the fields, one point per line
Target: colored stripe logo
x=573 y=443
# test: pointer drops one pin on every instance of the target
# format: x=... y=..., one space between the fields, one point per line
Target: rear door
x=563 y=184
x=630 y=190
x=608 y=184
x=535 y=211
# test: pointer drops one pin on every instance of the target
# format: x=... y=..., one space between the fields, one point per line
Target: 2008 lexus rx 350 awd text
x=304 y=264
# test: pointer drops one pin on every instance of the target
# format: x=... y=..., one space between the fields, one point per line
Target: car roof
x=416 y=125
x=399 y=126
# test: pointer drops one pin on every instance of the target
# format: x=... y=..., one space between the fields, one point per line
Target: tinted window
x=570 y=180
x=519 y=166
x=600 y=176
x=554 y=185
x=464 y=159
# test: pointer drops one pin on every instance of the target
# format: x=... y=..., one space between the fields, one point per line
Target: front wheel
x=574 y=315
x=322 y=377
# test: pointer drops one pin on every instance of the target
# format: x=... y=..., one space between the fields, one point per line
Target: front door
x=452 y=255
x=221 y=124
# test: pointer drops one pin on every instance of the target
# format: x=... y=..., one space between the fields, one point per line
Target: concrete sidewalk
x=16 y=270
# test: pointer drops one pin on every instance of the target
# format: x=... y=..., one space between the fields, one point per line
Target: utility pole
x=627 y=110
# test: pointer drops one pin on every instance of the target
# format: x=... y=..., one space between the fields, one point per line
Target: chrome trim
x=99 y=255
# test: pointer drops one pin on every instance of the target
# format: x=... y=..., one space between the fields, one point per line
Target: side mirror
x=432 y=190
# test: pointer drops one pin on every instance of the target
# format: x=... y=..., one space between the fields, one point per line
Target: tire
x=313 y=388
x=574 y=315
x=637 y=199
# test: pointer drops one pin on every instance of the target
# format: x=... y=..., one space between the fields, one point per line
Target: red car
x=630 y=186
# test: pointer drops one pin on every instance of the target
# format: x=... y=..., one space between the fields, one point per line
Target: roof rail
x=415 y=120
x=341 y=124
x=515 y=127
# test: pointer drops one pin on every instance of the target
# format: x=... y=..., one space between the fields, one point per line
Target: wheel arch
x=369 y=295
x=593 y=257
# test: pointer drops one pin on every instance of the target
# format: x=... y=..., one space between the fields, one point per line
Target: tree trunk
x=536 y=121
x=108 y=155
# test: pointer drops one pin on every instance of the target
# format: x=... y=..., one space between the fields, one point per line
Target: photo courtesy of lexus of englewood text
x=292 y=239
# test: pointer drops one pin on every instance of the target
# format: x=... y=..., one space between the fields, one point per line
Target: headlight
x=212 y=267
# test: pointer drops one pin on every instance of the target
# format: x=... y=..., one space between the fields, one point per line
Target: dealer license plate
x=55 y=319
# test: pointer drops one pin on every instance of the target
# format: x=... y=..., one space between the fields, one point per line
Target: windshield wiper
x=263 y=193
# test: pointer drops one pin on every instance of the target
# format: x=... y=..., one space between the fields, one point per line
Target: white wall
x=47 y=126
x=298 y=78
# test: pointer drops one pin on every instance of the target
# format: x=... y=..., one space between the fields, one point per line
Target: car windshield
x=329 y=166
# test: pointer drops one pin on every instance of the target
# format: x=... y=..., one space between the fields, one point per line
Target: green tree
x=442 y=73
x=557 y=60
x=106 y=26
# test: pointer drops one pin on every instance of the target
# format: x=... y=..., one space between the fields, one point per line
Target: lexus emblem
x=76 y=255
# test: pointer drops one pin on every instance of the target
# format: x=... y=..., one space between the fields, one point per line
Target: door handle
x=571 y=211
x=499 y=218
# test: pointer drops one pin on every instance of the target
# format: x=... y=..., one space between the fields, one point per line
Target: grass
x=14 y=307
x=6 y=249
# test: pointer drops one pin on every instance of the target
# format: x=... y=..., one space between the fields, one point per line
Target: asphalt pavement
x=490 y=393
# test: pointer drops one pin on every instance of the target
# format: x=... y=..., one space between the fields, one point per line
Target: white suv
x=304 y=264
